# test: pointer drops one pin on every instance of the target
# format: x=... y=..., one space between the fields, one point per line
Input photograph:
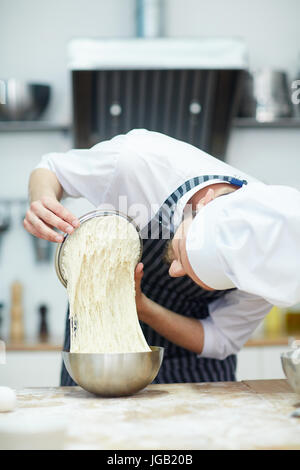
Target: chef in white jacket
x=233 y=239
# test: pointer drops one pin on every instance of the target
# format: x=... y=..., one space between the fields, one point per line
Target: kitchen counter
x=55 y=344
x=232 y=415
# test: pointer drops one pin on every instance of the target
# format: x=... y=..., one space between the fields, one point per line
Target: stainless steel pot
x=22 y=101
x=266 y=96
x=83 y=219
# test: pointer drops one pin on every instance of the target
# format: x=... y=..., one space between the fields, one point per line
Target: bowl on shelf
x=291 y=366
x=114 y=374
x=266 y=96
x=23 y=101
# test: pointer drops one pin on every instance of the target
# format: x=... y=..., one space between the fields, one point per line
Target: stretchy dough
x=98 y=264
x=8 y=399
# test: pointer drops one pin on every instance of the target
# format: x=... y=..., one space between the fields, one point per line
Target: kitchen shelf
x=271 y=340
x=33 y=126
x=44 y=126
x=252 y=123
x=55 y=344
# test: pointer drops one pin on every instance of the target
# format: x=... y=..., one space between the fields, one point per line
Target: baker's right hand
x=46 y=214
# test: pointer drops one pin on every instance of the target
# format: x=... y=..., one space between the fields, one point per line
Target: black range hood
x=194 y=104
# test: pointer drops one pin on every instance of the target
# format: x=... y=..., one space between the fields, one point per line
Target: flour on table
x=98 y=263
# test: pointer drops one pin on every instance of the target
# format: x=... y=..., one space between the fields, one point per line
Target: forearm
x=45 y=212
x=44 y=183
x=185 y=332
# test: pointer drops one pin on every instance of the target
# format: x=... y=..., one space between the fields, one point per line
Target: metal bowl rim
x=153 y=349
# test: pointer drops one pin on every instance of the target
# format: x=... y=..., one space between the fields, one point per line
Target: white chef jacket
x=144 y=168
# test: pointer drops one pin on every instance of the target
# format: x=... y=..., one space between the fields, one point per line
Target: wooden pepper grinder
x=16 y=313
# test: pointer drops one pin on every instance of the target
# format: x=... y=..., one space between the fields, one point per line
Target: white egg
x=8 y=399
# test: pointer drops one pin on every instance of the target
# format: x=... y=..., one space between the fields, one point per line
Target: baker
x=234 y=249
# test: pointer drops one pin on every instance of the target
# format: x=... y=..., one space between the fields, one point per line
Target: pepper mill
x=16 y=313
x=43 y=330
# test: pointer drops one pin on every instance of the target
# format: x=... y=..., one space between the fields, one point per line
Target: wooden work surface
x=240 y=415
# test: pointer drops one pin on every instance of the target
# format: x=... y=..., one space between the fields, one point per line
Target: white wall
x=270 y=27
x=33 y=39
x=34 y=35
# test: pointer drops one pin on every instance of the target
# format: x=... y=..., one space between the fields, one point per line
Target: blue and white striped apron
x=180 y=295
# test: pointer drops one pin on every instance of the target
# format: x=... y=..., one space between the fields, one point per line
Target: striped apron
x=180 y=295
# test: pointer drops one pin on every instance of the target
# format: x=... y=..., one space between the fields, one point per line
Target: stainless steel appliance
x=188 y=89
x=266 y=96
x=22 y=101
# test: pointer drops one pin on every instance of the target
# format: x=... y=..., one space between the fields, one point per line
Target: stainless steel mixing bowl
x=82 y=219
x=291 y=370
x=23 y=101
x=114 y=375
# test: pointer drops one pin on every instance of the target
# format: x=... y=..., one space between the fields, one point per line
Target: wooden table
x=240 y=415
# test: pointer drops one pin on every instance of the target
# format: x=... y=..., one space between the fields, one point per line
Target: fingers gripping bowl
x=109 y=373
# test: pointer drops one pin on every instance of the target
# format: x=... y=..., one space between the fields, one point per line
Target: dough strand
x=98 y=263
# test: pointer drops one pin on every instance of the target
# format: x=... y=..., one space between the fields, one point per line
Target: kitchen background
x=34 y=35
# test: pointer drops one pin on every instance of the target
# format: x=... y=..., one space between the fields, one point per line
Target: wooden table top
x=231 y=415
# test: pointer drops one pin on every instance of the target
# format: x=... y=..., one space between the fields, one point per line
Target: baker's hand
x=46 y=214
x=140 y=298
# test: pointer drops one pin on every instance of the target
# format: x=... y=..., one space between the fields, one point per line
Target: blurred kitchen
x=243 y=113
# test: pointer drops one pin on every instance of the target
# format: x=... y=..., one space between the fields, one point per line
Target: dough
x=98 y=263
x=8 y=399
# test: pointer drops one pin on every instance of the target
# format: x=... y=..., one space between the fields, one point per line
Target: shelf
x=33 y=126
x=54 y=344
x=271 y=340
x=43 y=126
x=252 y=123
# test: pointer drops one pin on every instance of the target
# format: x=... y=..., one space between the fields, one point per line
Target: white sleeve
x=233 y=318
x=86 y=173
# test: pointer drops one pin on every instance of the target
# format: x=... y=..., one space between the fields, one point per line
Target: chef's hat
x=250 y=239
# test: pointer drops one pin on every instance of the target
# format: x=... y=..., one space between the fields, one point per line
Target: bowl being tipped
x=84 y=218
x=114 y=375
x=291 y=369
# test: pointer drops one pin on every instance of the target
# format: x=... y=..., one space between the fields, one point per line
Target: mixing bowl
x=82 y=219
x=291 y=370
x=114 y=375
x=23 y=101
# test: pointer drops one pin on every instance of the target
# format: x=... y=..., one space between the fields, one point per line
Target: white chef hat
x=250 y=239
